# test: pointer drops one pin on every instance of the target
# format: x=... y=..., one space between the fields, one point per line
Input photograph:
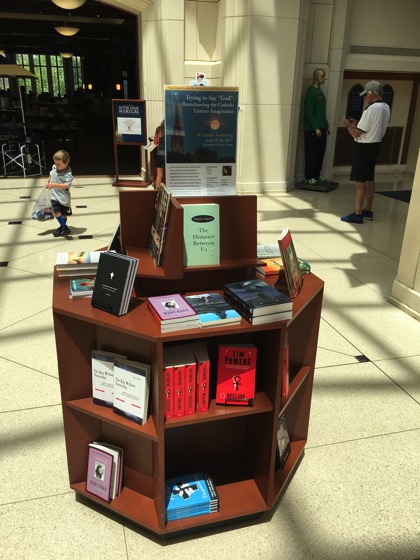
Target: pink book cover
x=99 y=473
x=190 y=388
x=179 y=383
x=168 y=381
x=172 y=306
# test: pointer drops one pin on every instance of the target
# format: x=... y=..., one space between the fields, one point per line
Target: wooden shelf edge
x=282 y=476
x=295 y=384
x=87 y=406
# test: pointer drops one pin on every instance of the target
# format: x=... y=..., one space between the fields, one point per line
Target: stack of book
x=81 y=287
x=172 y=313
x=190 y=495
x=272 y=268
x=186 y=373
x=82 y=263
x=104 y=472
x=213 y=310
x=114 y=282
x=258 y=302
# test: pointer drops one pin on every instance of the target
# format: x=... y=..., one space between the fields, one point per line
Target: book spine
x=168 y=381
x=179 y=385
x=190 y=388
x=237 y=304
x=285 y=372
x=203 y=381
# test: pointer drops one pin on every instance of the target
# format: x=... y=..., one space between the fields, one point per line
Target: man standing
x=316 y=129
x=368 y=133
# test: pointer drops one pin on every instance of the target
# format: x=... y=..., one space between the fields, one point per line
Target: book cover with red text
x=236 y=370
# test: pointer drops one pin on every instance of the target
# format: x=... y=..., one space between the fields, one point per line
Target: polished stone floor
x=356 y=494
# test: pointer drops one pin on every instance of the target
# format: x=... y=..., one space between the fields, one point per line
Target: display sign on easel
x=129 y=125
x=200 y=140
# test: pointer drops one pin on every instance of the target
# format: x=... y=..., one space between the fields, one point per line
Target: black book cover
x=114 y=282
x=256 y=297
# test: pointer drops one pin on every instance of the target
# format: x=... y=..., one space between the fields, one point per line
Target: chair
x=23 y=156
x=13 y=156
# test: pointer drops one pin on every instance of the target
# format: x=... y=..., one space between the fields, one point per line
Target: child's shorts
x=57 y=207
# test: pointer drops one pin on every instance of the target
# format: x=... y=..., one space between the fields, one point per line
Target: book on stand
x=236 y=371
x=160 y=224
x=131 y=389
x=103 y=376
x=81 y=287
x=283 y=446
x=172 y=312
x=258 y=302
x=77 y=263
x=117 y=465
x=114 y=282
x=201 y=234
x=99 y=473
x=292 y=270
x=190 y=495
x=213 y=310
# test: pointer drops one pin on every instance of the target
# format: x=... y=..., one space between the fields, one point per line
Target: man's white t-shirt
x=374 y=120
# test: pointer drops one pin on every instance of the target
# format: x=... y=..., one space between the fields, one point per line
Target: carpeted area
x=404 y=196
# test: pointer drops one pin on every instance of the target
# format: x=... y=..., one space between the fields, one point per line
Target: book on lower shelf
x=180 y=359
x=201 y=234
x=160 y=224
x=258 y=302
x=172 y=312
x=213 y=310
x=99 y=473
x=114 y=282
x=117 y=465
x=81 y=287
x=292 y=270
x=77 y=263
x=103 y=376
x=190 y=495
x=283 y=446
x=131 y=389
x=236 y=371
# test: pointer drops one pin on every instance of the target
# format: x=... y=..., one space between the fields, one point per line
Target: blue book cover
x=213 y=310
x=190 y=494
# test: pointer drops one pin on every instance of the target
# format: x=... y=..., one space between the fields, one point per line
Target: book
x=190 y=495
x=115 y=242
x=236 y=370
x=172 y=308
x=268 y=251
x=117 y=460
x=131 y=389
x=114 y=282
x=159 y=224
x=213 y=310
x=283 y=446
x=272 y=267
x=190 y=381
x=285 y=371
x=255 y=297
x=168 y=384
x=103 y=377
x=290 y=263
x=81 y=287
x=202 y=360
x=269 y=318
x=201 y=234
x=77 y=263
x=99 y=473
x=179 y=387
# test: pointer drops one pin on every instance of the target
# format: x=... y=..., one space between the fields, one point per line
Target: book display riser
x=236 y=445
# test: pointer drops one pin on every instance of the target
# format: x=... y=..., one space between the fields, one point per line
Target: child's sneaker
x=367 y=214
x=57 y=232
x=353 y=218
x=65 y=231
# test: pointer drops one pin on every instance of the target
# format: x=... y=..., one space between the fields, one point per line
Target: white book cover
x=103 y=377
x=131 y=390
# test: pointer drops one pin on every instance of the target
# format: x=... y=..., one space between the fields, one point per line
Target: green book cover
x=201 y=234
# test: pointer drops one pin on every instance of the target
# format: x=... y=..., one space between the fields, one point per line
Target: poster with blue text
x=200 y=140
x=129 y=121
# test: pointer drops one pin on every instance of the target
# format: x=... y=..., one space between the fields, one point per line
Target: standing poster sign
x=200 y=140
x=129 y=124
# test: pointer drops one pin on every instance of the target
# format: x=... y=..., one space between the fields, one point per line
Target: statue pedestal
x=321 y=187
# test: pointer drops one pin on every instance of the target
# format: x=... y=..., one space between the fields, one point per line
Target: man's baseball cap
x=373 y=86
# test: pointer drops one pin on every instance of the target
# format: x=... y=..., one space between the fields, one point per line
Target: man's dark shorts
x=57 y=207
x=364 y=161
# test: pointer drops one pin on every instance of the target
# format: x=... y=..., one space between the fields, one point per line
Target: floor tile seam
x=12 y=266
x=35 y=499
x=49 y=308
x=31 y=409
x=6 y=359
x=364 y=438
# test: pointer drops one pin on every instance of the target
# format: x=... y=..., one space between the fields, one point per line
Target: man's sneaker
x=65 y=231
x=353 y=218
x=310 y=182
x=367 y=214
x=57 y=232
x=321 y=179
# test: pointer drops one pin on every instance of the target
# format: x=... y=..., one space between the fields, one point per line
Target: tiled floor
x=356 y=494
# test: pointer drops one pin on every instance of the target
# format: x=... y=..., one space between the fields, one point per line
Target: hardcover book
x=103 y=376
x=269 y=318
x=171 y=307
x=99 y=473
x=213 y=310
x=168 y=383
x=256 y=297
x=160 y=224
x=131 y=390
x=190 y=495
x=283 y=447
x=201 y=234
x=202 y=360
x=272 y=267
x=290 y=263
x=236 y=370
x=114 y=282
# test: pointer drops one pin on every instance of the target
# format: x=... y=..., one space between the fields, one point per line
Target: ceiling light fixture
x=67 y=29
x=66 y=54
x=69 y=4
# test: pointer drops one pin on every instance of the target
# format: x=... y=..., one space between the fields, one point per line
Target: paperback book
x=99 y=473
x=172 y=312
x=81 y=287
x=201 y=234
x=292 y=270
x=236 y=371
x=114 y=282
x=160 y=224
x=131 y=390
x=268 y=251
x=103 y=377
x=255 y=297
x=78 y=263
x=190 y=495
x=283 y=447
x=117 y=465
x=213 y=310
x=272 y=267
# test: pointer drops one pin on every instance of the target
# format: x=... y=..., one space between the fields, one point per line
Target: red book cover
x=290 y=263
x=179 y=385
x=190 y=386
x=202 y=359
x=168 y=382
x=285 y=373
x=236 y=371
